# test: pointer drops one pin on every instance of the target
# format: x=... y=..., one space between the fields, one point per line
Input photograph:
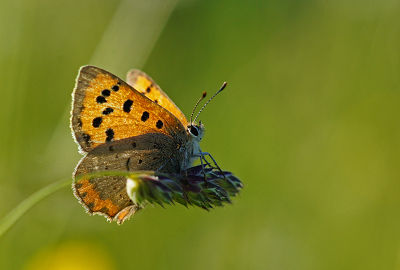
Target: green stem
x=29 y=202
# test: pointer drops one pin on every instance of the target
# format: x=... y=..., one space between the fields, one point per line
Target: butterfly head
x=196 y=131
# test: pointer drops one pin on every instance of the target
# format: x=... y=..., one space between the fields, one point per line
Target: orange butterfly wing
x=121 y=129
x=146 y=85
x=106 y=109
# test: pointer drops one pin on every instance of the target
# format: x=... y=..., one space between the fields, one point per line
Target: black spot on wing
x=159 y=124
x=110 y=135
x=97 y=122
x=106 y=92
x=128 y=105
x=101 y=99
x=107 y=111
x=145 y=116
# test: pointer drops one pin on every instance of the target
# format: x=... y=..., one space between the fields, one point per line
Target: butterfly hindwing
x=107 y=109
x=106 y=195
x=147 y=152
x=147 y=86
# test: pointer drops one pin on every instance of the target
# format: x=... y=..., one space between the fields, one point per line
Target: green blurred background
x=309 y=122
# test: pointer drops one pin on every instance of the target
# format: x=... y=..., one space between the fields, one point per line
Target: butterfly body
x=123 y=126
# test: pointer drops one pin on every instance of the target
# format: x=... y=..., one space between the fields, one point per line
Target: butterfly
x=126 y=126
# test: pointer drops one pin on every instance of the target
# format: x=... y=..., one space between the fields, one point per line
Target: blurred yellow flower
x=71 y=255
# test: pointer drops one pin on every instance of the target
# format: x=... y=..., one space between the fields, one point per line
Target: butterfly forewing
x=107 y=109
x=146 y=85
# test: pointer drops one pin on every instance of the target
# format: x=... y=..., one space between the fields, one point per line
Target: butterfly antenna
x=222 y=88
x=195 y=106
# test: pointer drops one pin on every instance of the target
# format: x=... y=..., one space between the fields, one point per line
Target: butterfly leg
x=172 y=165
x=207 y=163
x=159 y=169
x=202 y=156
x=202 y=166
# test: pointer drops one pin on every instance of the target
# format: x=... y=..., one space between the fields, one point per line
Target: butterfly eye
x=194 y=131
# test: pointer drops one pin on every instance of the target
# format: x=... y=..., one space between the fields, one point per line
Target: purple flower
x=203 y=187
